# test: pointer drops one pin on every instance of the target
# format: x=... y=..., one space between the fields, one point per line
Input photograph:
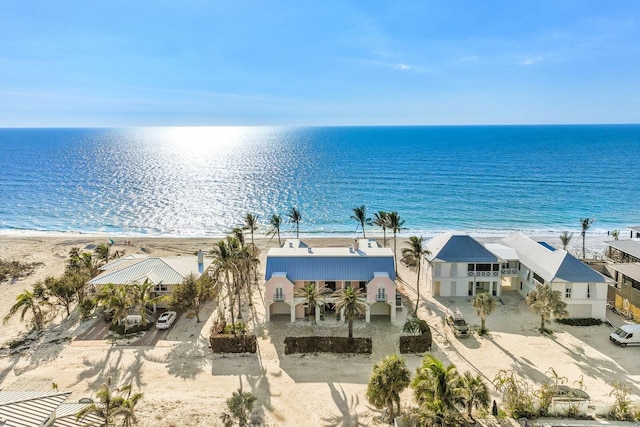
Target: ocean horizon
x=201 y=181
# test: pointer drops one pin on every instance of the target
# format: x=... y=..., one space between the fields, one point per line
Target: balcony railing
x=278 y=297
x=381 y=297
x=509 y=271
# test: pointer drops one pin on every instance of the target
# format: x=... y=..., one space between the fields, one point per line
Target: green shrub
x=86 y=307
x=241 y=328
x=119 y=329
x=580 y=322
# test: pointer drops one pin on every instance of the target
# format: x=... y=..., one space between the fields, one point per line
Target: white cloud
x=532 y=60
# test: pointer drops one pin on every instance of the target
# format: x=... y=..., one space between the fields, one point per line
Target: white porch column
x=367 y=314
x=293 y=313
x=267 y=313
x=316 y=313
x=393 y=311
x=342 y=316
x=498 y=288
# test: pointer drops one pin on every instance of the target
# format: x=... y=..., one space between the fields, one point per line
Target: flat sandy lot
x=186 y=385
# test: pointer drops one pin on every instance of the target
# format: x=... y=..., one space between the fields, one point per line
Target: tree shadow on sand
x=186 y=360
x=348 y=415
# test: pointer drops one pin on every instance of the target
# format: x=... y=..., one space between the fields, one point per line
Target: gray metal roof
x=66 y=416
x=631 y=269
x=447 y=247
x=330 y=268
x=29 y=409
x=628 y=246
x=552 y=264
x=635 y=228
x=169 y=271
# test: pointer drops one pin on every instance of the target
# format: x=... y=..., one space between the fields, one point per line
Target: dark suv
x=457 y=323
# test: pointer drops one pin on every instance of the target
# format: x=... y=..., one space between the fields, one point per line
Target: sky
x=302 y=62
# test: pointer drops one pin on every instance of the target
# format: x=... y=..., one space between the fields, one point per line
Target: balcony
x=509 y=271
x=278 y=298
x=381 y=297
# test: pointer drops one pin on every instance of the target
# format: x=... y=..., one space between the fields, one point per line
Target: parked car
x=457 y=323
x=166 y=319
x=626 y=335
x=107 y=314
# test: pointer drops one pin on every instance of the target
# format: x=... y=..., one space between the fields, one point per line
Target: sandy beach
x=184 y=384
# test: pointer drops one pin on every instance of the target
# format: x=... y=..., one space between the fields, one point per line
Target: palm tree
x=102 y=252
x=435 y=388
x=615 y=234
x=412 y=256
x=251 y=224
x=348 y=299
x=275 y=222
x=565 y=238
x=381 y=219
x=295 y=217
x=109 y=405
x=586 y=223
x=360 y=215
x=547 y=303
x=129 y=403
x=240 y=405
x=225 y=267
x=142 y=296
x=395 y=225
x=474 y=392
x=312 y=297
x=30 y=301
x=119 y=300
x=388 y=379
x=484 y=304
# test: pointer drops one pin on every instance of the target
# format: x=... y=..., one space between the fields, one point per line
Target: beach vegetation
x=275 y=223
x=415 y=326
x=239 y=408
x=565 y=238
x=360 y=216
x=349 y=302
x=295 y=218
x=13 y=270
x=623 y=406
x=193 y=293
x=586 y=224
x=63 y=289
x=388 y=379
x=615 y=234
x=35 y=303
x=82 y=263
x=251 y=225
x=517 y=394
x=112 y=403
x=412 y=257
x=143 y=298
x=547 y=303
x=396 y=225
x=484 y=304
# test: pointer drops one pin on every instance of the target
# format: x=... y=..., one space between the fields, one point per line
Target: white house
x=458 y=265
x=364 y=265
x=583 y=289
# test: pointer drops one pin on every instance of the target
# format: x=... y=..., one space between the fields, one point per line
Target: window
x=437 y=270
x=279 y=296
x=567 y=293
x=454 y=270
x=471 y=267
x=538 y=278
x=381 y=295
x=496 y=267
x=347 y=285
x=160 y=288
x=588 y=290
x=483 y=267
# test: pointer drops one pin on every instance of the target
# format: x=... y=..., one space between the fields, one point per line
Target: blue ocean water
x=201 y=181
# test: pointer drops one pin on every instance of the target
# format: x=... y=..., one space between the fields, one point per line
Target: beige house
x=165 y=273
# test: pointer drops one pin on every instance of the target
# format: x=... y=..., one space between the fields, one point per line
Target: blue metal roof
x=574 y=270
x=330 y=268
x=548 y=246
x=464 y=248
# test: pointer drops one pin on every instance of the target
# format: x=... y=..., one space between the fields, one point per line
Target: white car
x=166 y=319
